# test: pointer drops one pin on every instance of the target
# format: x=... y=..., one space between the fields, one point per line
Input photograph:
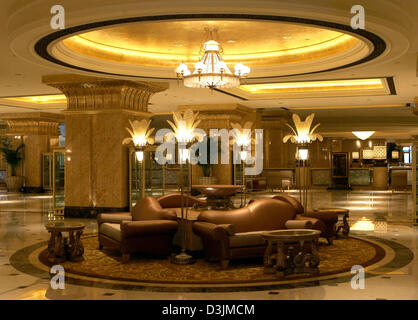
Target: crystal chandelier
x=211 y=71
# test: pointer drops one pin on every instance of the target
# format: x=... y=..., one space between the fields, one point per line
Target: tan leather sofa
x=148 y=229
x=236 y=233
x=327 y=219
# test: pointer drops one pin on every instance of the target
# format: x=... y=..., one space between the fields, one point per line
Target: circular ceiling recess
x=153 y=48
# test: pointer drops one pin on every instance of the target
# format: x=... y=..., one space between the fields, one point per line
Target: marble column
x=276 y=153
x=96 y=168
x=219 y=116
x=36 y=130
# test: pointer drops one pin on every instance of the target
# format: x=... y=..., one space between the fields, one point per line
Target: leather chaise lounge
x=148 y=229
x=237 y=233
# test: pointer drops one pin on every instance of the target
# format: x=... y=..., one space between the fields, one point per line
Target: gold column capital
x=86 y=93
x=216 y=116
x=32 y=123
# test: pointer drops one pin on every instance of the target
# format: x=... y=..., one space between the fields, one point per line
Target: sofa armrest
x=117 y=217
x=211 y=230
x=298 y=224
x=147 y=227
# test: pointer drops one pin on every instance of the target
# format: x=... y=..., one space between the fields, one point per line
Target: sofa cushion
x=111 y=230
x=246 y=239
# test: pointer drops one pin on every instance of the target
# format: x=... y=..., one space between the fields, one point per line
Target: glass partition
x=58 y=179
x=47 y=171
x=146 y=177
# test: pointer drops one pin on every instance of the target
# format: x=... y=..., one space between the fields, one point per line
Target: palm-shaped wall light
x=302 y=133
x=140 y=136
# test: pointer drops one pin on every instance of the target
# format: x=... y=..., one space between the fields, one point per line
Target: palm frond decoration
x=241 y=135
x=184 y=127
x=302 y=132
x=140 y=134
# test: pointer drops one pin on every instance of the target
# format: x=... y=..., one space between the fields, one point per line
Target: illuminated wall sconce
x=355 y=155
x=395 y=154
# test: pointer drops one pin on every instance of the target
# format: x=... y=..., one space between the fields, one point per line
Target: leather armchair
x=149 y=229
x=327 y=219
x=237 y=233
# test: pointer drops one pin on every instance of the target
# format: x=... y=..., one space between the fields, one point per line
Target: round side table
x=342 y=224
x=292 y=255
x=62 y=248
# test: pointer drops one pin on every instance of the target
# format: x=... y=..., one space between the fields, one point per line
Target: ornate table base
x=62 y=248
x=343 y=226
x=292 y=255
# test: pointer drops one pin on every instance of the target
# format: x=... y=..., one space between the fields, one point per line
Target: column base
x=90 y=212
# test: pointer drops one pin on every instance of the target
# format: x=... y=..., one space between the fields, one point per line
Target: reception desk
x=361 y=176
x=400 y=177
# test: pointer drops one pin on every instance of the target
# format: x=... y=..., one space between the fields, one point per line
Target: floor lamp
x=184 y=157
x=302 y=134
x=184 y=132
x=303 y=158
x=243 y=156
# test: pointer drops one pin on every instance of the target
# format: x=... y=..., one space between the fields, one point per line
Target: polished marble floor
x=22 y=220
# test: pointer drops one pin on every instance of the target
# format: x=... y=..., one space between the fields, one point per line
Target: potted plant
x=207 y=178
x=12 y=157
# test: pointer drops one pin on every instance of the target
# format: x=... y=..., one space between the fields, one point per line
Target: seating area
x=225 y=234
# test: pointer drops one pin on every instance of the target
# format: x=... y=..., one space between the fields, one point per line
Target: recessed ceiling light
x=231 y=41
x=178 y=45
x=287 y=37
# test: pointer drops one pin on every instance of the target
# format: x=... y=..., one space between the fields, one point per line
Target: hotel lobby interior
x=204 y=150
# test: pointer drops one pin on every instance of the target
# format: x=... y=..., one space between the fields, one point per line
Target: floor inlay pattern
x=27 y=260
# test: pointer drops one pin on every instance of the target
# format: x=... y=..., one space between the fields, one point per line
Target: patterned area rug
x=106 y=264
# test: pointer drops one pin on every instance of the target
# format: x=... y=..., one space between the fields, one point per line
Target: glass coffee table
x=62 y=248
x=296 y=252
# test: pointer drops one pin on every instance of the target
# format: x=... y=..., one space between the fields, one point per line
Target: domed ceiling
x=154 y=48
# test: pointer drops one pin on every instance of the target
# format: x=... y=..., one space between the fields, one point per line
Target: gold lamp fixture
x=241 y=136
x=302 y=132
x=184 y=132
x=303 y=135
x=140 y=136
x=211 y=71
